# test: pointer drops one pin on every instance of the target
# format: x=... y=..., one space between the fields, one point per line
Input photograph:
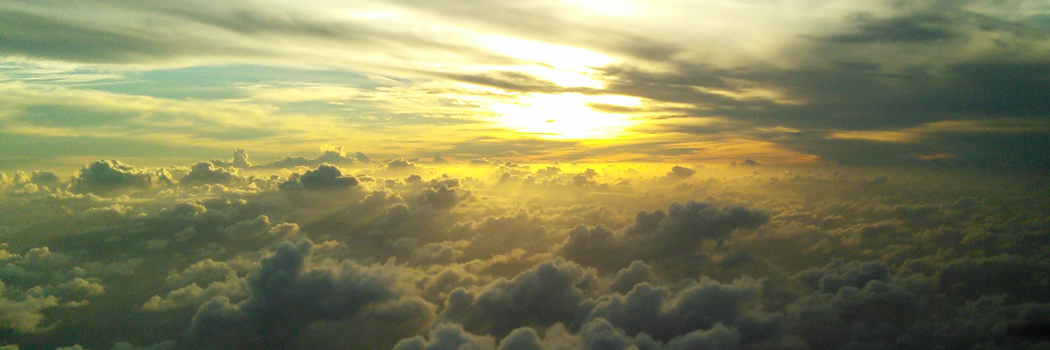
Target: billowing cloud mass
x=502 y=255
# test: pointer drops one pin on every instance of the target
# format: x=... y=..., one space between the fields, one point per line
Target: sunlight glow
x=565 y=66
x=565 y=116
x=557 y=56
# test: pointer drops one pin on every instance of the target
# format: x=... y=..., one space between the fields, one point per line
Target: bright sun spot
x=565 y=116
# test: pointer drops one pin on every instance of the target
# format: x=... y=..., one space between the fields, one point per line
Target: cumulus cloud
x=678 y=173
x=659 y=234
x=285 y=295
x=207 y=173
x=325 y=177
x=23 y=311
x=106 y=176
x=332 y=155
x=446 y=337
x=453 y=256
x=546 y=294
x=659 y=313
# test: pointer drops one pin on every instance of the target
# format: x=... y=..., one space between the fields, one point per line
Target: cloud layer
x=401 y=255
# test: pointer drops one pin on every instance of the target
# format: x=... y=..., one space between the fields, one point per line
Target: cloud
x=855 y=316
x=443 y=198
x=659 y=234
x=107 y=176
x=546 y=294
x=24 y=314
x=678 y=173
x=625 y=280
x=325 y=177
x=790 y=257
x=663 y=315
x=329 y=155
x=285 y=295
x=446 y=337
x=915 y=28
x=837 y=274
x=207 y=173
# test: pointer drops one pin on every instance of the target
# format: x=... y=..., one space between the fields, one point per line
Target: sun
x=566 y=116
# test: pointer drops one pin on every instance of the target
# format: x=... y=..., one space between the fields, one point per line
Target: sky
x=779 y=82
x=524 y=175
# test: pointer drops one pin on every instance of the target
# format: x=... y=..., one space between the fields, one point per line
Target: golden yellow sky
x=864 y=82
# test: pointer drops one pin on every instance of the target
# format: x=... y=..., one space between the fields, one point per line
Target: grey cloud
x=325 y=177
x=106 y=176
x=24 y=313
x=233 y=288
x=917 y=28
x=63 y=33
x=204 y=271
x=286 y=295
x=37 y=35
x=665 y=315
x=838 y=274
x=333 y=156
x=625 y=280
x=968 y=279
x=401 y=164
x=735 y=260
x=45 y=178
x=447 y=337
x=503 y=234
x=678 y=173
x=856 y=317
x=546 y=294
x=443 y=198
x=942 y=69
x=521 y=339
x=926 y=258
x=660 y=234
x=166 y=345
x=595 y=335
x=207 y=173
